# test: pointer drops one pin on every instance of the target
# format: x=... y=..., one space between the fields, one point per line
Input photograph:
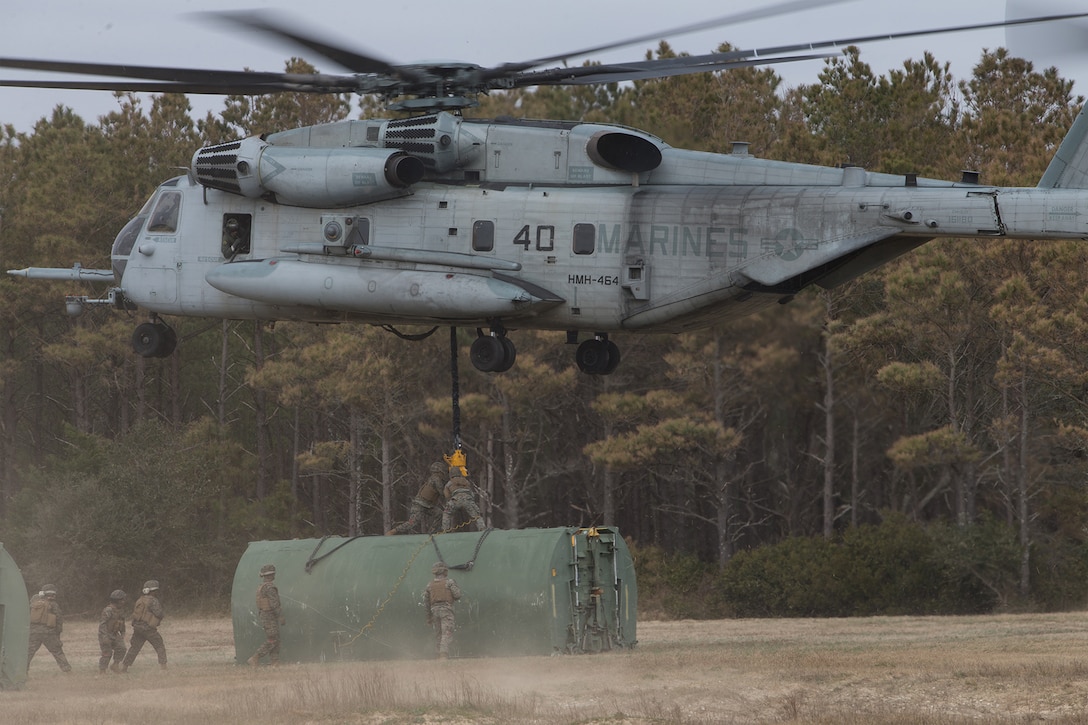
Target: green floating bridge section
x=527 y=591
x=14 y=624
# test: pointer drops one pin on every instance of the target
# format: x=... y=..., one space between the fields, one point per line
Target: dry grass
x=1007 y=669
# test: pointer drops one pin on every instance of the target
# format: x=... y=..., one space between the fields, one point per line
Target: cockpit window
x=123 y=244
x=164 y=220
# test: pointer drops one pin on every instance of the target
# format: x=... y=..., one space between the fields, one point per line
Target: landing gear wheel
x=154 y=339
x=597 y=357
x=510 y=354
x=493 y=353
x=487 y=354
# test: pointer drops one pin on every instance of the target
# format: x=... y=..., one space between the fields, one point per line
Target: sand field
x=1001 y=668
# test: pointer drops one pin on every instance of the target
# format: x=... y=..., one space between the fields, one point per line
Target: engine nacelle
x=308 y=177
x=623 y=151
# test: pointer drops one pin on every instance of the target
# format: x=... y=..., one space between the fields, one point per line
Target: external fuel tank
x=526 y=591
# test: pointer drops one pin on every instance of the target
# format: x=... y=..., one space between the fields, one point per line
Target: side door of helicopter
x=151 y=276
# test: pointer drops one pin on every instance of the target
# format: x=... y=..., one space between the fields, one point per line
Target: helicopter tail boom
x=1069 y=167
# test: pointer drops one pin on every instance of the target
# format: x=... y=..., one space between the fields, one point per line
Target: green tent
x=528 y=591
x=14 y=624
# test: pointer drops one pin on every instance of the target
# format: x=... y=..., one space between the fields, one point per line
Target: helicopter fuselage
x=510 y=224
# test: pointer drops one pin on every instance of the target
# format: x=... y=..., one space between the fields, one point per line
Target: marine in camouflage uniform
x=438 y=599
x=270 y=615
x=147 y=615
x=46 y=624
x=423 y=516
x=459 y=498
x=111 y=633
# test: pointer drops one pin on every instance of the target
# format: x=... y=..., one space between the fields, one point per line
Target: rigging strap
x=455 y=390
x=406 y=336
x=467 y=566
x=312 y=561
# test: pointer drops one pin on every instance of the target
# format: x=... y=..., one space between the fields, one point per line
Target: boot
x=115 y=667
x=124 y=668
x=254 y=660
x=275 y=660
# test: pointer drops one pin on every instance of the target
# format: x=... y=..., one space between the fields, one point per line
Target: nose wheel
x=494 y=353
x=154 y=339
x=599 y=356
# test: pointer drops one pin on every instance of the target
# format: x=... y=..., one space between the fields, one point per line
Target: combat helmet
x=268 y=570
x=117 y=595
x=151 y=585
x=439 y=568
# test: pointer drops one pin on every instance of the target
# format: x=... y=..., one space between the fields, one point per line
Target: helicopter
x=505 y=224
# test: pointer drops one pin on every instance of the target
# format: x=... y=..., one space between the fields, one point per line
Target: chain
x=389 y=596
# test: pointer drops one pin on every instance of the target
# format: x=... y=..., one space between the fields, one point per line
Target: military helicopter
x=509 y=224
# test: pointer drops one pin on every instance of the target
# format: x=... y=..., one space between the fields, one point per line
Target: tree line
x=946 y=390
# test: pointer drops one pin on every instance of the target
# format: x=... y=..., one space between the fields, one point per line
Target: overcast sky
x=487 y=32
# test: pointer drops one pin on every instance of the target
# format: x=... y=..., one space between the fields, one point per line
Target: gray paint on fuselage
x=700 y=246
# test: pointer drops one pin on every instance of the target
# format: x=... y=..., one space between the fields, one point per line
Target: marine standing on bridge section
x=438 y=599
x=270 y=615
x=46 y=625
x=423 y=516
x=147 y=615
x=459 y=498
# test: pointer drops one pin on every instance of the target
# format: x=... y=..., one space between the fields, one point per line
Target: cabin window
x=237 y=232
x=585 y=238
x=164 y=220
x=483 y=236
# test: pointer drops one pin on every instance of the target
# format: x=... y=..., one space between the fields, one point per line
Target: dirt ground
x=1006 y=668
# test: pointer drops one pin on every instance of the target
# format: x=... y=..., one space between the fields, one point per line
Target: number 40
x=545 y=238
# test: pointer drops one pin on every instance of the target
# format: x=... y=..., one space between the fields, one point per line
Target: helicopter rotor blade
x=843 y=42
x=683 y=65
x=178 y=80
x=592 y=74
x=266 y=22
x=178 y=75
x=454 y=85
x=771 y=11
x=256 y=88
